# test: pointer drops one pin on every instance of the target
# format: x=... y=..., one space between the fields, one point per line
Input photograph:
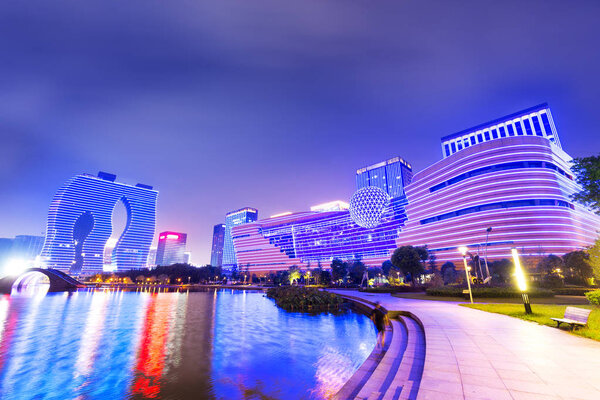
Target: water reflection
x=202 y=345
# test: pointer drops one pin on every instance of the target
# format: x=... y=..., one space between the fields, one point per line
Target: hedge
x=300 y=299
x=572 y=291
x=486 y=292
x=393 y=289
x=593 y=297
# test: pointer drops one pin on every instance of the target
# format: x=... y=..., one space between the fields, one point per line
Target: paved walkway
x=472 y=354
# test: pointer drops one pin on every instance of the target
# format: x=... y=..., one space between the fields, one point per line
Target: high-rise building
x=232 y=219
x=216 y=254
x=171 y=248
x=151 y=263
x=80 y=224
x=187 y=257
x=391 y=176
x=27 y=247
x=509 y=174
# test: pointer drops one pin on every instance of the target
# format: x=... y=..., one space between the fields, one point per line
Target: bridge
x=59 y=281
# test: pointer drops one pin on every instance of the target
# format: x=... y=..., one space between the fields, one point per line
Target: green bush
x=593 y=297
x=393 y=289
x=299 y=298
x=572 y=291
x=487 y=292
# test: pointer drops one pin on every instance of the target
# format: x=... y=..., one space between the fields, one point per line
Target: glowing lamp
x=521 y=283
x=463 y=250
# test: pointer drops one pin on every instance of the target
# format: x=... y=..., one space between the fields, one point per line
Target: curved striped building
x=80 y=224
x=509 y=174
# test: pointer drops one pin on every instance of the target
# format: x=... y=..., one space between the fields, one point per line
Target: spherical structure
x=367 y=206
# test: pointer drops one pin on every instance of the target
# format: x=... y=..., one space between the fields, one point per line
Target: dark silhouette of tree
x=448 y=272
x=386 y=267
x=501 y=270
x=409 y=260
x=550 y=264
x=339 y=269
x=578 y=269
x=356 y=271
x=587 y=172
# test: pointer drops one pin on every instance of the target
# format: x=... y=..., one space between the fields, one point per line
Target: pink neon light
x=171 y=236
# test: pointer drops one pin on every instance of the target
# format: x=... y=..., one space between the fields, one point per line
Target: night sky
x=270 y=104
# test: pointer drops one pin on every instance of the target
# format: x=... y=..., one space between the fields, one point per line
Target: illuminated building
x=510 y=174
x=171 y=248
x=80 y=224
x=216 y=254
x=336 y=205
x=25 y=248
x=391 y=176
x=151 y=263
x=233 y=219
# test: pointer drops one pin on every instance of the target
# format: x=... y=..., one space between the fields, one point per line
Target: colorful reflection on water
x=201 y=345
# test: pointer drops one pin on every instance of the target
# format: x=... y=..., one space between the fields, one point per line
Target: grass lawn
x=557 y=299
x=542 y=314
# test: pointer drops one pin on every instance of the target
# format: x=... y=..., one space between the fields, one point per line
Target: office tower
x=232 y=219
x=187 y=257
x=151 y=263
x=391 y=176
x=171 y=248
x=80 y=224
x=216 y=254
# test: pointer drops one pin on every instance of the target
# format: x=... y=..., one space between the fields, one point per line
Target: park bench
x=574 y=316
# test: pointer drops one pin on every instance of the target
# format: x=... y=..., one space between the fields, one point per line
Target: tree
x=325 y=277
x=578 y=270
x=339 y=269
x=432 y=264
x=594 y=254
x=449 y=272
x=294 y=274
x=408 y=260
x=356 y=272
x=386 y=267
x=587 y=172
x=550 y=264
x=501 y=270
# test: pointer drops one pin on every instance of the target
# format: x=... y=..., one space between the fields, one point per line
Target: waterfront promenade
x=472 y=354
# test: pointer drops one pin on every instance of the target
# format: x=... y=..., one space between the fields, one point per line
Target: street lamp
x=521 y=283
x=487 y=235
x=463 y=251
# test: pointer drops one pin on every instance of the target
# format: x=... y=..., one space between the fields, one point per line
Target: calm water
x=202 y=345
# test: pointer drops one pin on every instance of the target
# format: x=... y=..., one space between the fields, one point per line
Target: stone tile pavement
x=472 y=354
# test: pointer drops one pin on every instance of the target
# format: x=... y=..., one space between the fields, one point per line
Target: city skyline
x=274 y=122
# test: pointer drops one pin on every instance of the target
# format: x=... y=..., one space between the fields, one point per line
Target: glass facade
x=391 y=176
x=232 y=219
x=534 y=121
x=80 y=224
x=216 y=254
x=171 y=248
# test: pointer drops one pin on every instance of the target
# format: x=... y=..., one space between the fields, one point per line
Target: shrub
x=572 y=291
x=487 y=292
x=298 y=298
x=593 y=297
x=393 y=289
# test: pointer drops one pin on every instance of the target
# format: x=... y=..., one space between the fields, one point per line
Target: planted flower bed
x=295 y=298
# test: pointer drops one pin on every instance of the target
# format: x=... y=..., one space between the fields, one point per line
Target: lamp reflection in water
x=152 y=349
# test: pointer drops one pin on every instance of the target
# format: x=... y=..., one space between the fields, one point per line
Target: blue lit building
x=391 y=176
x=232 y=219
x=80 y=224
x=510 y=174
x=171 y=248
x=216 y=254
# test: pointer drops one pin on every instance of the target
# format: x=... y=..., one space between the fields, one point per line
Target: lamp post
x=521 y=283
x=463 y=251
x=487 y=235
